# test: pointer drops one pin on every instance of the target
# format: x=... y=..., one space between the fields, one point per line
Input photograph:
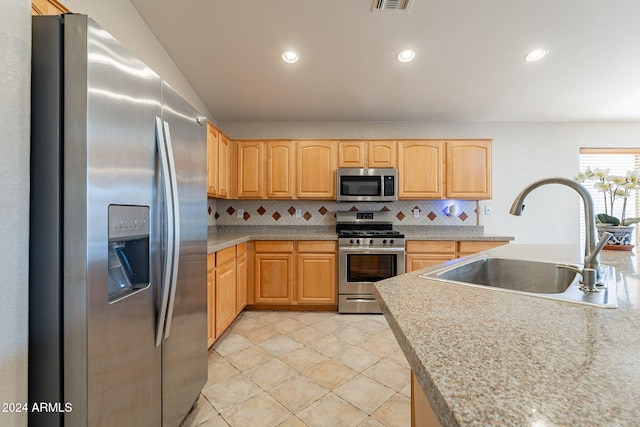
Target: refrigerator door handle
x=168 y=253
x=176 y=229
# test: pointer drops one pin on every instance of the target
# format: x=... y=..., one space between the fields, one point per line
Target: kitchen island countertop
x=491 y=358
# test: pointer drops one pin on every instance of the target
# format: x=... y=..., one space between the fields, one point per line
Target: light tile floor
x=280 y=368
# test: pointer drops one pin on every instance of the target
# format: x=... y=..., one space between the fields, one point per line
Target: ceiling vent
x=391 y=5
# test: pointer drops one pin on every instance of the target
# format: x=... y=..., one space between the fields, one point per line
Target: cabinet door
x=241 y=282
x=280 y=169
x=317 y=278
x=212 y=159
x=316 y=163
x=211 y=300
x=273 y=278
x=421 y=166
x=351 y=154
x=250 y=169
x=224 y=156
x=382 y=154
x=47 y=7
x=469 y=169
x=418 y=261
x=225 y=296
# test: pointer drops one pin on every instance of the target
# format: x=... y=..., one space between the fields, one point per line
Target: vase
x=621 y=238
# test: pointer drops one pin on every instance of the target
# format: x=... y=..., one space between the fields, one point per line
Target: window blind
x=618 y=161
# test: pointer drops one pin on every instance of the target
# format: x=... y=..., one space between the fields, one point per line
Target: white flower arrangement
x=613 y=187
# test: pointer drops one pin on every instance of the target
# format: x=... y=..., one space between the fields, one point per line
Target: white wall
x=15 y=69
x=123 y=22
x=522 y=153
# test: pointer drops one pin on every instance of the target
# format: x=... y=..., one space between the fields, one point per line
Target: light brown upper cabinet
x=367 y=154
x=280 y=169
x=420 y=167
x=316 y=164
x=212 y=159
x=250 y=169
x=47 y=7
x=224 y=166
x=469 y=169
x=265 y=169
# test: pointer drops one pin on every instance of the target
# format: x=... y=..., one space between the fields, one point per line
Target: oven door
x=359 y=268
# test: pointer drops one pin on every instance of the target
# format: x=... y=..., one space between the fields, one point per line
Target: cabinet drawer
x=473 y=247
x=225 y=255
x=241 y=249
x=317 y=246
x=430 y=246
x=279 y=246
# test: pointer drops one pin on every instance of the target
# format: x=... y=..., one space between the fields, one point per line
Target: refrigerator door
x=111 y=101
x=184 y=350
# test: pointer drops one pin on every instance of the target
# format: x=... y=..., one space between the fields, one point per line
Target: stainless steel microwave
x=367 y=185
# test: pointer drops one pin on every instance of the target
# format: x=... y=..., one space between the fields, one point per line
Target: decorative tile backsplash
x=311 y=212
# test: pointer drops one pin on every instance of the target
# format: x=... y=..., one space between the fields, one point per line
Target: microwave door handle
x=381 y=185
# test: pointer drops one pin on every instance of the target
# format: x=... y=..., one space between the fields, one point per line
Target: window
x=618 y=161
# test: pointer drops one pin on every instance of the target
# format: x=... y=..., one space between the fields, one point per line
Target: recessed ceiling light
x=536 y=54
x=406 y=55
x=289 y=56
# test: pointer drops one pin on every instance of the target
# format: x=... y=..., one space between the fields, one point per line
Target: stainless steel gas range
x=368 y=250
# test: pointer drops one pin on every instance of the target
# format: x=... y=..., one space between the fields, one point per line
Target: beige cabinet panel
x=317 y=278
x=212 y=159
x=47 y=7
x=351 y=154
x=225 y=296
x=273 y=278
x=241 y=282
x=382 y=154
x=421 y=164
x=418 y=261
x=211 y=300
x=224 y=166
x=280 y=169
x=422 y=414
x=469 y=169
x=250 y=169
x=316 y=164
x=472 y=247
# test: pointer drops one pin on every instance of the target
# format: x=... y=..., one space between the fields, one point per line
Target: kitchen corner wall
x=318 y=213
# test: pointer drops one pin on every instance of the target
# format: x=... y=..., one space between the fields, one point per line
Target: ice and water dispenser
x=128 y=250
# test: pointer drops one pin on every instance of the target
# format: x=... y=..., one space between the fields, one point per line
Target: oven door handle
x=366 y=250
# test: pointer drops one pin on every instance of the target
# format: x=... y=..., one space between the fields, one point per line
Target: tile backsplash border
x=322 y=212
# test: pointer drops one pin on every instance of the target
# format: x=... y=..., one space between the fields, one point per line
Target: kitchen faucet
x=592 y=274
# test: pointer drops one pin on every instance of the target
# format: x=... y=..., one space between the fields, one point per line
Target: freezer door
x=111 y=360
x=184 y=350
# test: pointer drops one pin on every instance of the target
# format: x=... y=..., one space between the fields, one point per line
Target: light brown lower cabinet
x=425 y=253
x=422 y=414
x=226 y=289
x=317 y=272
x=288 y=274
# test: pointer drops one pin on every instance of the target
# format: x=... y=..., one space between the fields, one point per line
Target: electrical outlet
x=239 y=213
x=486 y=209
x=298 y=213
x=416 y=213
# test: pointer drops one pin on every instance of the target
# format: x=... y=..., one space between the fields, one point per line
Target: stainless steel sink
x=535 y=278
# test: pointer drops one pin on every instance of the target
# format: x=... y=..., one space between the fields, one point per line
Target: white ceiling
x=469 y=64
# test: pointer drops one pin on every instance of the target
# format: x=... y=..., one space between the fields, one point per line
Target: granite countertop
x=491 y=358
x=227 y=236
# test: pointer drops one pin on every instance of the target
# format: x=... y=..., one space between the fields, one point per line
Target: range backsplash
x=283 y=212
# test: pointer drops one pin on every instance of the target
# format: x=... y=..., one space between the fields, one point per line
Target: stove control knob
x=351 y=241
x=384 y=242
x=371 y=242
x=391 y=242
x=358 y=241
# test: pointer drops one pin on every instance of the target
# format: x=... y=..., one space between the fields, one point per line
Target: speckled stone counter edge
x=223 y=237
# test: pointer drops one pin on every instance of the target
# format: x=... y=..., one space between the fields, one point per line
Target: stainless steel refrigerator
x=117 y=313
